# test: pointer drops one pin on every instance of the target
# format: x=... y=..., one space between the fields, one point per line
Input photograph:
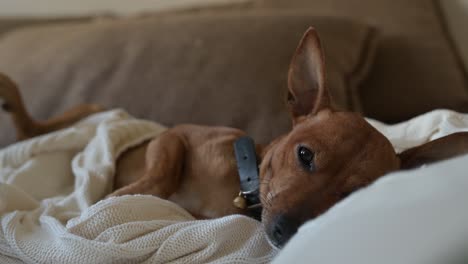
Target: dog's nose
x=282 y=229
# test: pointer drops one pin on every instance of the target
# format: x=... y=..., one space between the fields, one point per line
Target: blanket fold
x=50 y=208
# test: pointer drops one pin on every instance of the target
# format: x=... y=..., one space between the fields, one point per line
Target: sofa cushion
x=415 y=68
x=48 y=8
x=216 y=69
x=10 y=24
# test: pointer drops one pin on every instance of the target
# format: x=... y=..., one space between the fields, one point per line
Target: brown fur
x=194 y=166
x=25 y=125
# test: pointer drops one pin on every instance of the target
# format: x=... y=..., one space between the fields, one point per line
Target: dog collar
x=247 y=168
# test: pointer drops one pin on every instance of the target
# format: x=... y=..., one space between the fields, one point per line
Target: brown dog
x=326 y=156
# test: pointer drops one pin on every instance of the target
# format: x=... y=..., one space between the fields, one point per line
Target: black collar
x=246 y=157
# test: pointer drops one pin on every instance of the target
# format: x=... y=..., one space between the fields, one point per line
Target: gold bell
x=240 y=202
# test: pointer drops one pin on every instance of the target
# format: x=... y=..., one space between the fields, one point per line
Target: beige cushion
x=215 y=69
x=415 y=68
x=47 y=8
x=9 y=24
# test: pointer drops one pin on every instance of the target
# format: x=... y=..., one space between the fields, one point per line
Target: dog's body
x=193 y=166
x=327 y=155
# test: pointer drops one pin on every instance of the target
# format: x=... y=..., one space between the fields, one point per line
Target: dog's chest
x=210 y=179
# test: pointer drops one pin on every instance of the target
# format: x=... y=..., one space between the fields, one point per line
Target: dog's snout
x=282 y=229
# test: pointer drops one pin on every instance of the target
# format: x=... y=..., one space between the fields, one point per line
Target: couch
x=227 y=65
x=390 y=60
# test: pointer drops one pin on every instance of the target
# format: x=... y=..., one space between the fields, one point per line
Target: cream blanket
x=49 y=187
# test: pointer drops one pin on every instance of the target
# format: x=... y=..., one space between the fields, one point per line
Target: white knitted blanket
x=50 y=208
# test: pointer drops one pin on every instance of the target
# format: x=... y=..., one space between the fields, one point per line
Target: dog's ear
x=440 y=149
x=306 y=78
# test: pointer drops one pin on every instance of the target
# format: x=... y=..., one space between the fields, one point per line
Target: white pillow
x=416 y=217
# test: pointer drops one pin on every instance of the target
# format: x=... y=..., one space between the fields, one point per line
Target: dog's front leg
x=163 y=167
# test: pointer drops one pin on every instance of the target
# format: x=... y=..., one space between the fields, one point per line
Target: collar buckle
x=246 y=157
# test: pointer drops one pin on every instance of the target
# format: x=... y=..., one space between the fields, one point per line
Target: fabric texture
x=212 y=68
x=417 y=216
x=415 y=69
x=49 y=187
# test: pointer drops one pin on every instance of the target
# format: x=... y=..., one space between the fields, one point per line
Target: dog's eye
x=306 y=157
x=6 y=107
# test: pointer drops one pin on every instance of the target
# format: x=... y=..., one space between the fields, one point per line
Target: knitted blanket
x=51 y=209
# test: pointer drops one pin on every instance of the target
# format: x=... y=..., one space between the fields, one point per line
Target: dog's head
x=326 y=156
